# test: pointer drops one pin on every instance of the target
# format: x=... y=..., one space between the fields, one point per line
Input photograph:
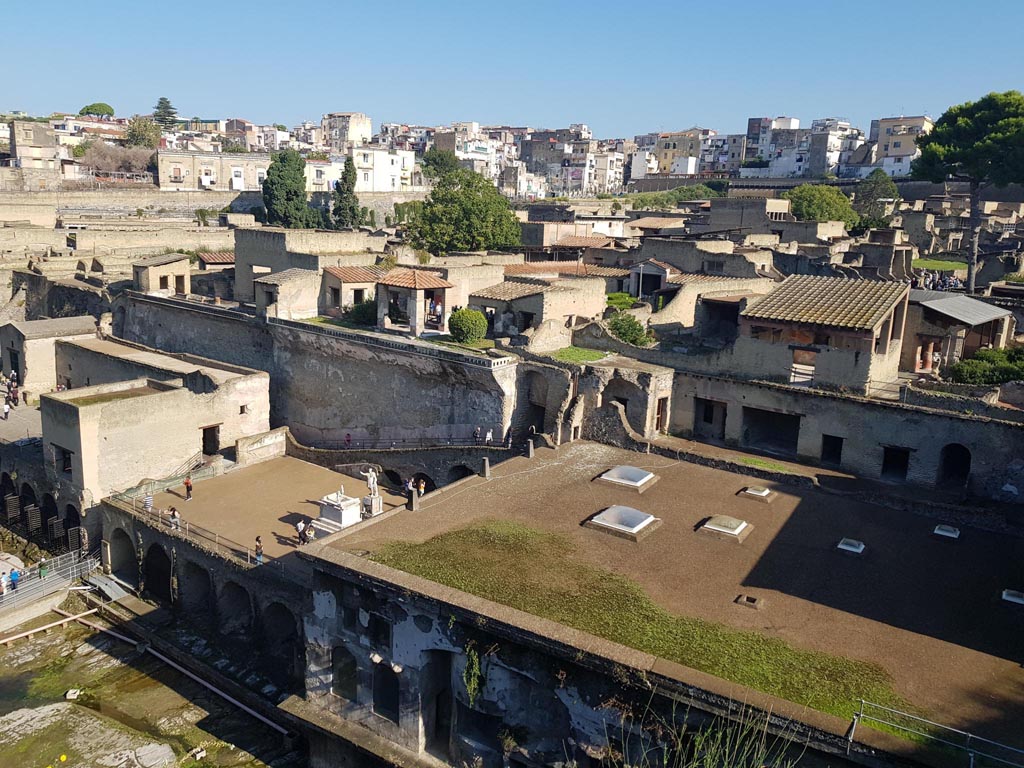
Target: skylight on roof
x=625 y=522
x=631 y=477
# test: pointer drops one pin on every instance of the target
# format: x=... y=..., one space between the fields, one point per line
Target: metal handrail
x=402 y=443
x=927 y=729
x=60 y=573
x=197 y=534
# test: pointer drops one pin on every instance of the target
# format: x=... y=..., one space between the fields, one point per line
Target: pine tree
x=346 y=204
x=284 y=193
x=164 y=114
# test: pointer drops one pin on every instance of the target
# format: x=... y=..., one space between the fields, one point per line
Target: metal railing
x=398 y=444
x=197 y=534
x=45 y=579
x=975 y=748
x=158 y=486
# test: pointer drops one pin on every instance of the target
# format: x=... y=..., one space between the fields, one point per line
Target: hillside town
x=496 y=445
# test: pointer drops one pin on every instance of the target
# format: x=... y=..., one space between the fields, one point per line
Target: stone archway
x=631 y=397
x=7 y=487
x=124 y=562
x=428 y=482
x=28 y=499
x=195 y=591
x=234 y=609
x=536 y=400
x=281 y=648
x=954 y=466
x=458 y=472
x=49 y=512
x=72 y=519
x=393 y=478
x=156 y=569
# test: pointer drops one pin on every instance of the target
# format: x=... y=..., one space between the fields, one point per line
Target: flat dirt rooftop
x=266 y=499
x=926 y=611
x=155 y=359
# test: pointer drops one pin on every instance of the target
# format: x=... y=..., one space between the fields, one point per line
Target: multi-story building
x=678 y=144
x=897 y=141
x=378 y=169
x=226 y=172
x=608 y=171
x=766 y=134
x=723 y=153
x=344 y=130
x=33 y=145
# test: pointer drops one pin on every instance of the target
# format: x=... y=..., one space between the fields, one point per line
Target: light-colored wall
x=221 y=168
x=147 y=279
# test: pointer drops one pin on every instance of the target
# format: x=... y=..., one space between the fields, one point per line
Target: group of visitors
x=9 y=580
x=10 y=384
x=303 y=529
x=415 y=487
x=487 y=438
x=937 y=281
x=435 y=309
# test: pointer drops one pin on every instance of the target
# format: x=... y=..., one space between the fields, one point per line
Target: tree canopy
x=870 y=195
x=346 y=204
x=164 y=114
x=667 y=200
x=820 y=202
x=439 y=162
x=464 y=212
x=142 y=132
x=97 y=109
x=284 y=193
x=980 y=142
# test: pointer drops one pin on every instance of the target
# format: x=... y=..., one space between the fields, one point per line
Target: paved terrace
x=925 y=610
x=265 y=499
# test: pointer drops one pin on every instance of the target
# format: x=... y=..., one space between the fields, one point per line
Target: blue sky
x=622 y=67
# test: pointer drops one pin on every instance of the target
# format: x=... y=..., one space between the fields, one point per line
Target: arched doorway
x=393 y=478
x=51 y=531
x=631 y=397
x=428 y=482
x=344 y=673
x=194 y=591
x=537 y=400
x=71 y=517
x=458 y=472
x=157 y=571
x=123 y=562
x=30 y=517
x=954 y=466
x=7 y=486
x=119 y=321
x=234 y=609
x=281 y=648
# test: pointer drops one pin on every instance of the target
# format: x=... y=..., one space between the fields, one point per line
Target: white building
x=608 y=170
x=378 y=169
x=684 y=166
x=644 y=163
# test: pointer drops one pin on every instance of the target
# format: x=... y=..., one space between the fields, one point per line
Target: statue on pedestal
x=371 y=480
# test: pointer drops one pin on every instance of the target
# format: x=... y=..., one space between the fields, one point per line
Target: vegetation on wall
x=668 y=200
x=821 y=202
x=990 y=366
x=627 y=328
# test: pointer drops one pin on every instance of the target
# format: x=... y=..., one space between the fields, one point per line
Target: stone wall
x=325 y=385
x=126 y=202
x=58 y=298
x=865 y=426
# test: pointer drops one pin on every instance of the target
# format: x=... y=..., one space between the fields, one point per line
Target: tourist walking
x=188 y=487
x=7 y=411
x=15 y=576
x=490 y=437
x=175 y=519
x=147 y=503
x=300 y=530
x=422 y=488
x=476 y=435
x=42 y=568
x=259 y=550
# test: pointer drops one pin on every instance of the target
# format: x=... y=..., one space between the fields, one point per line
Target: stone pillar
x=416 y=307
x=529 y=448
x=929 y=351
x=485 y=470
x=412 y=503
x=382 y=306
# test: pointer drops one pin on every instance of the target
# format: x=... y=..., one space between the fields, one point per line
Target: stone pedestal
x=341 y=509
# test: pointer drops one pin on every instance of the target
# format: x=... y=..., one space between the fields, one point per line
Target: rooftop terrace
x=924 y=611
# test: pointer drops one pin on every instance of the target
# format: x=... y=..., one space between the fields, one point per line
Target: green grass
x=1015 y=278
x=578 y=355
x=620 y=300
x=447 y=341
x=939 y=264
x=340 y=322
x=539 y=573
x=771 y=466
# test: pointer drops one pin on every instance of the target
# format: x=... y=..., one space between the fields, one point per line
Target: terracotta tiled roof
x=584 y=241
x=417 y=279
x=511 y=290
x=369 y=274
x=688 y=278
x=286 y=276
x=218 y=257
x=836 y=302
x=577 y=268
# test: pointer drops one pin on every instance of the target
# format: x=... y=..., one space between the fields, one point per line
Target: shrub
x=363 y=313
x=628 y=329
x=467 y=325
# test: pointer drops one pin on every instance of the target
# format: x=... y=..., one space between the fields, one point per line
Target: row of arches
x=270 y=630
x=41 y=520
